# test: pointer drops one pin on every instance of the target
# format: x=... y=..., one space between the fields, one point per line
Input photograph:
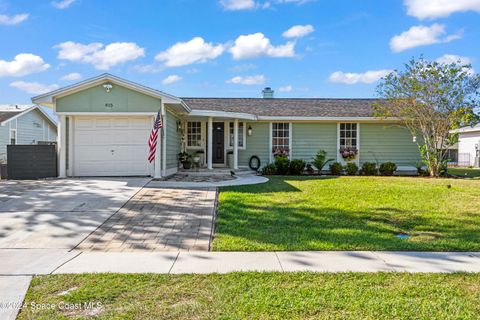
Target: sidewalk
x=19 y=265
x=45 y=261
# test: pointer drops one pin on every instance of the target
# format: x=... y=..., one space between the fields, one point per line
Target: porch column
x=164 y=140
x=210 y=142
x=235 y=144
x=158 y=161
x=62 y=146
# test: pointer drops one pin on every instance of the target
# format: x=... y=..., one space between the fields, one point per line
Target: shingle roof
x=287 y=107
x=5 y=115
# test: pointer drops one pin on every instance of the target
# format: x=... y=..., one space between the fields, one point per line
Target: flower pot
x=187 y=165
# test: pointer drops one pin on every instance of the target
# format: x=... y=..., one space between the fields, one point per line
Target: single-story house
x=105 y=122
x=469 y=146
x=25 y=124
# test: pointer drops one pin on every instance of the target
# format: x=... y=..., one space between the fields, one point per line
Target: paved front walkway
x=157 y=219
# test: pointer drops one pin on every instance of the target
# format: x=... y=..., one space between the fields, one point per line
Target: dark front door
x=218 y=154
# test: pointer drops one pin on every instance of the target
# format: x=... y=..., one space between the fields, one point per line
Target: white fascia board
x=353 y=119
x=112 y=114
x=222 y=114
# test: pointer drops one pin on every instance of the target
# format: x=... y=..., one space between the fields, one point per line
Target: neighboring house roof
x=467 y=129
x=280 y=107
x=11 y=112
x=48 y=98
x=6 y=115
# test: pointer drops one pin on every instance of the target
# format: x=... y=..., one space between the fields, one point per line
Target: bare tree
x=431 y=99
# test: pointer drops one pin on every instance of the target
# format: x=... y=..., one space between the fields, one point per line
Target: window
x=281 y=136
x=13 y=136
x=194 y=134
x=348 y=135
x=241 y=133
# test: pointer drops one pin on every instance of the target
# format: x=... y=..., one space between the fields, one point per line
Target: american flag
x=152 y=142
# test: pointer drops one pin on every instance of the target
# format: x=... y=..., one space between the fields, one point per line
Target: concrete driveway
x=59 y=214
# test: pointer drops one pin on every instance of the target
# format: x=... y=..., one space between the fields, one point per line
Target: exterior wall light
x=249 y=130
x=179 y=126
x=414 y=139
x=108 y=87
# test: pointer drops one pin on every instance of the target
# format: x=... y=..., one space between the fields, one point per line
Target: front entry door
x=218 y=144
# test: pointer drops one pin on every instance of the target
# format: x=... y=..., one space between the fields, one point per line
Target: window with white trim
x=348 y=135
x=280 y=136
x=13 y=136
x=194 y=134
x=241 y=134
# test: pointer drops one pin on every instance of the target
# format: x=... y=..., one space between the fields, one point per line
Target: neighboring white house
x=24 y=124
x=468 y=146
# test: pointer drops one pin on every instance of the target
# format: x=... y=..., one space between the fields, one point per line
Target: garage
x=111 y=146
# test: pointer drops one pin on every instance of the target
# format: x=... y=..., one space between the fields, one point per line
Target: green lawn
x=350 y=213
x=258 y=296
x=465 y=172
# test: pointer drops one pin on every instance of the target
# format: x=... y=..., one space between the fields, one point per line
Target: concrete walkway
x=31 y=262
x=18 y=266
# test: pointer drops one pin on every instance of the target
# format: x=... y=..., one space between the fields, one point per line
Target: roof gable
x=48 y=98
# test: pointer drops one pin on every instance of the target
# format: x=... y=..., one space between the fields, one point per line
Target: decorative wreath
x=254 y=163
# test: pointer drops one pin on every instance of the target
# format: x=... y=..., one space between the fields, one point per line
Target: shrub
x=269 y=170
x=297 y=166
x=320 y=160
x=336 y=168
x=282 y=163
x=351 y=168
x=387 y=168
x=369 y=168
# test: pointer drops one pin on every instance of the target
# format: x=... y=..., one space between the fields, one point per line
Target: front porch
x=207 y=178
x=213 y=142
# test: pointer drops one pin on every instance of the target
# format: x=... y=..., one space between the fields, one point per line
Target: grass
x=350 y=213
x=258 y=296
x=465 y=172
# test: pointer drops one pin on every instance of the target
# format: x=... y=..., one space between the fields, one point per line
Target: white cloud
x=248 y=80
x=423 y=9
x=353 y=78
x=256 y=45
x=62 y=4
x=12 y=20
x=421 y=36
x=33 y=87
x=193 y=51
x=71 y=76
x=452 y=58
x=298 y=31
x=288 y=88
x=238 y=4
x=171 y=79
x=22 y=65
x=102 y=58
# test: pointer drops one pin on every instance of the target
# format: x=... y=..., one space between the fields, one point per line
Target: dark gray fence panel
x=31 y=161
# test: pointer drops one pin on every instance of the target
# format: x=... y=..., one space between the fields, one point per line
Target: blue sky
x=229 y=48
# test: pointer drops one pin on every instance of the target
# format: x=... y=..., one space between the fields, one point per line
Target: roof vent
x=267 y=93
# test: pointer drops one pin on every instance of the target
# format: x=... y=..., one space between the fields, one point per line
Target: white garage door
x=111 y=146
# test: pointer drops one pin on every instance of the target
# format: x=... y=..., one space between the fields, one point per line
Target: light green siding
x=95 y=99
x=309 y=138
x=387 y=142
x=173 y=140
x=257 y=144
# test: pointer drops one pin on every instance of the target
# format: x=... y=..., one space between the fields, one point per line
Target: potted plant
x=348 y=153
x=230 y=159
x=200 y=154
x=184 y=158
